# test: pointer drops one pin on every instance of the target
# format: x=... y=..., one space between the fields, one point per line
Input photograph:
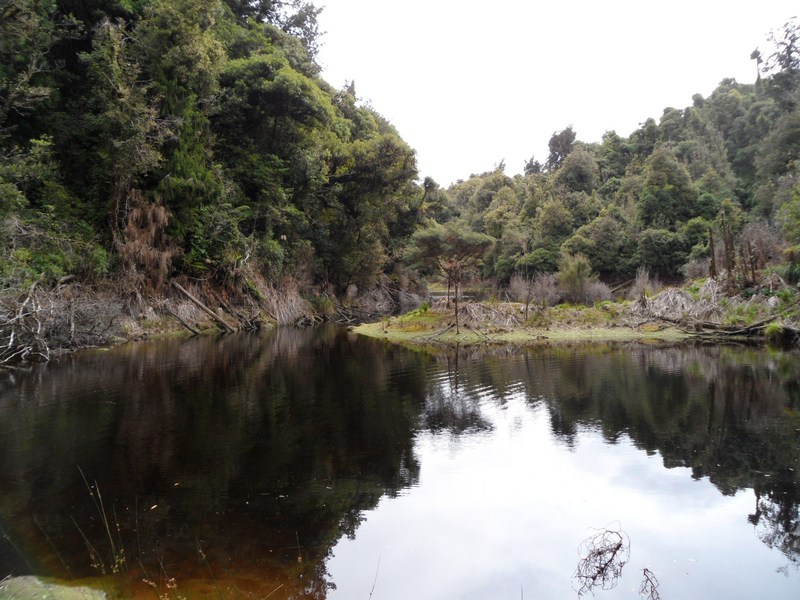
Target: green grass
x=565 y=322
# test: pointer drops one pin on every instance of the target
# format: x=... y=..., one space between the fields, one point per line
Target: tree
x=788 y=217
x=661 y=251
x=533 y=166
x=606 y=242
x=178 y=38
x=436 y=203
x=729 y=223
x=502 y=212
x=561 y=144
x=453 y=249
x=784 y=64
x=579 y=171
x=644 y=139
x=28 y=32
x=124 y=112
x=668 y=197
x=613 y=156
x=541 y=287
x=554 y=222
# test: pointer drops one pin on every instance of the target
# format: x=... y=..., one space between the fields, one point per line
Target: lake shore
x=504 y=323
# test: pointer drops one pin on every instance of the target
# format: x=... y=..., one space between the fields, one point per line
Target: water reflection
x=729 y=414
x=246 y=459
x=236 y=456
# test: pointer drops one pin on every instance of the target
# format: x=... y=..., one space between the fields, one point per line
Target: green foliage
x=574 y=277
x=695 y=236
x=579 y=171
x=544 y=260
x=218 y=108
x=436 y=203
x=561 y=144
x=607 y=244
x=29 y=30
x=214 y=239
x=123 y=111
x=178 y=39
x=791 y=269
x=453 y=248
x=501 y=212
x=554 y=222
x=773 y=331
x=788 y=217
x=661 y=251
x=668 y=196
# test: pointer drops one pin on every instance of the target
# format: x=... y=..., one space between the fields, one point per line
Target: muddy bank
x=38 y=324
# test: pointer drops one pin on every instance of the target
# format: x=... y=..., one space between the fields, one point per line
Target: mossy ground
x=561 y=323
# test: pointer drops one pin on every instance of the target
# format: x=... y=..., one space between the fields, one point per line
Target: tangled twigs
x=649 y=587
x=38 y=322
x=603 y=556
x=21 y=330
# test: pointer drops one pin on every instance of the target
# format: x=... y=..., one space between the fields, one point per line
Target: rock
x=34 y=588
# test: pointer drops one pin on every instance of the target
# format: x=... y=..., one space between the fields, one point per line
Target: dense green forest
x=144 y=140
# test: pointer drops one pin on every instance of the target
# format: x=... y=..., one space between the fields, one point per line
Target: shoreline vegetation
x=72 y=317
x=46 y=323
x=665 y=318
x=177 y=164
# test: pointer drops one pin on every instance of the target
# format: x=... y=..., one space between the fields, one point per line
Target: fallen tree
x=711 y=318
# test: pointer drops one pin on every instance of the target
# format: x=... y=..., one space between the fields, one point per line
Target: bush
x=597 y=291
x=574 y=277
x=643 y=285
x=696 y=269
x=791 y=270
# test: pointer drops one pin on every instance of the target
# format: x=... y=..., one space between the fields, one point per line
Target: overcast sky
x=468 y=84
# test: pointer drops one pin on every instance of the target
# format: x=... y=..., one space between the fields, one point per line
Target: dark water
x=318 y=464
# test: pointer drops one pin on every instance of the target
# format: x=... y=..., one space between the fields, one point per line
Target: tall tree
x=561 y=144
x=451 y=248
x=668 y=197
x=29 y=30
x=579 y=171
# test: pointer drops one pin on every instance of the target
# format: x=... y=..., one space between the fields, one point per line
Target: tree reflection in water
x=241 y=456
x=245 y=458
x=729 y=414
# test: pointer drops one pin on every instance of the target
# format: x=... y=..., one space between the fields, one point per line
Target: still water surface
x=319 y=464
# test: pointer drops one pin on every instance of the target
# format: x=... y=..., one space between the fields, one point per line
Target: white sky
x=468 y=84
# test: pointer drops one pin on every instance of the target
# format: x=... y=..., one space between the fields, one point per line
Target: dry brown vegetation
x=144 y=248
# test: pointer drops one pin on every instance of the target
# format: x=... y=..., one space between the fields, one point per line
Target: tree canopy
x=200 y=134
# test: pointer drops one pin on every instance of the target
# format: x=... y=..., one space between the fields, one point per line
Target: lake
x=315 y=463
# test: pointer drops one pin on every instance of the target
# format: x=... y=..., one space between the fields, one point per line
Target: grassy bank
x=505 y=323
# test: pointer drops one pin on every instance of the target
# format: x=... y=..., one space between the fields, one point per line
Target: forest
x=146 y=142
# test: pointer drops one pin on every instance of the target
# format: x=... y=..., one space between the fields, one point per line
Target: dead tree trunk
x=219 y=320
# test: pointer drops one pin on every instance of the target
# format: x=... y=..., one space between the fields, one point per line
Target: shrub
x=696 y=268
x=643 y=284
x=597 y=291
x=574 y=277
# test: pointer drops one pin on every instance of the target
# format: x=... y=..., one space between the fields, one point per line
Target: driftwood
x=24 y=330
x=692 y=319
x=247 y=323
x=477 y=331
x=621 y=285
x=219 y=320
x=182 y=321
x=441 y=332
